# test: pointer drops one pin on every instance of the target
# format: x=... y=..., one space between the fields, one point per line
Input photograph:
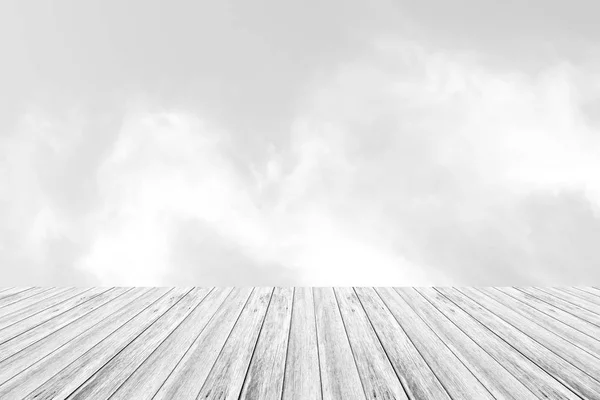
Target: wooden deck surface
x=300 y=343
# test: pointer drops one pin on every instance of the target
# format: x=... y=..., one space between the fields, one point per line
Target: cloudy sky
x=314 y=142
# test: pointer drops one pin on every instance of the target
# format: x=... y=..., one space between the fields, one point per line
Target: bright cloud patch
x=407 y=167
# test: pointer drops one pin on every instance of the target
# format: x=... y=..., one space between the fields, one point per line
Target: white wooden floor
x=300 y=343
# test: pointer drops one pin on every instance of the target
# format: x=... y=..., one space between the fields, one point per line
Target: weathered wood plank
x=499 y=382
x=7 y=296
x=339 y=374
x=415 y=374
x=106 y=380
x=154 y=371
x=302 y=376
x=588 y=289
x=37 y=298
x=21 y=297
x=582 y=294
x=575 y=300
x=303 y=343
x=10 y=347
x=563 y=348
x=264 y=379
x=189 y=375
x=577 y=380
x=25 y=381
x=22 y=325
x=377 y=374
x=557 y=302
x=566 y=317
x=540 y=382
x=226 y=378
x=546 y=317
x=61 y=385
x=51 y=341
x=56 y=297
x=456 y=378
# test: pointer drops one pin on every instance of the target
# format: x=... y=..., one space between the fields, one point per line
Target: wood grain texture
x=264 y=379
x=302 y=379
x=582 y=294
x=29 y=379
x=587 y=289
x=67 y=301
x=497 y=380
x=56 y=297
x=38 y=298
x=577 y=380
x=546 y=318
x=106 y=380
x=145 y=382
x=52 y=341
x=530 y=374
x=339 y=374
x=226 y=378
x=300 y=343
x=33 y=335
x=555 y=301
x=79 y=370
x=6 y=297
x=417 y=378
x=189 y=375
x=552 y=341
x=22 y=299
x=456 y=378
x=557 y=313
x=575 y=300
x=377 y=374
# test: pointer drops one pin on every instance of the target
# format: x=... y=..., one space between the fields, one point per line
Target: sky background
x=314 y=142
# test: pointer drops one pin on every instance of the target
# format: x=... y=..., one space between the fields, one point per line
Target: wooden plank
x=575 y=300
x=458 y=381
x=11 y=347
x=25 y=381
x=559 y=303
x=52 y=341
x=302 y=376
x=64 y=383
x=583 y=294
x=339 y=373
x=546 y=317
x=563 y=348
x=26 y=324
x=378 y=377
x=588 y=289
x=499 y=381
x=114 y=371
x=4 y=289
x=557 y=313
x=189 y=375
x=226 y=379
x=536 y=379
x=577 y=380
x=153 y=372
x=21 y=296
x=34 y=309
x=9 y=294
x=264 y=379
x=416 y=376
x=38 y=298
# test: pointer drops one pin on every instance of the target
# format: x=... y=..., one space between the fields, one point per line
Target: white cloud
x=409 y=167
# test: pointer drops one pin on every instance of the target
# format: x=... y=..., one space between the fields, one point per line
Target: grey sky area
x=312 y=142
